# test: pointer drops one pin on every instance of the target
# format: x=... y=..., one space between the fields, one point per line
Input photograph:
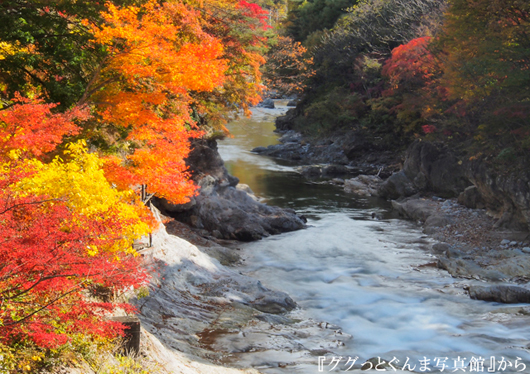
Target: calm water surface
x=370 y=277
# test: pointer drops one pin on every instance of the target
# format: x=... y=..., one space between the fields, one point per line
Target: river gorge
x=364 y=273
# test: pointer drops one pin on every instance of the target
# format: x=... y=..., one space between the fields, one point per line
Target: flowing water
x=373 y=278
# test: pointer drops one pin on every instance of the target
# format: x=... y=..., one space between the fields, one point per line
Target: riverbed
x=373 y=281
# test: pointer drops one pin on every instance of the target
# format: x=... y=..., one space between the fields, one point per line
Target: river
x=375 y=278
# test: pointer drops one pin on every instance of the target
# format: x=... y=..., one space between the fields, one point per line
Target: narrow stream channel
x=373 y=278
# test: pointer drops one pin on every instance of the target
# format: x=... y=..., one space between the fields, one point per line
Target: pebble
x=526 y=249
x=505 y=242
x=513 y=244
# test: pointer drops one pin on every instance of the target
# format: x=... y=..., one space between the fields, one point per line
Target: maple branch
x=41 y=308
x=29 y=203
x=34 y=285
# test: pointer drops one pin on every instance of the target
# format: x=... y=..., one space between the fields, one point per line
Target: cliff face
x=435 y=168
x=506 y=196
x=222 y=208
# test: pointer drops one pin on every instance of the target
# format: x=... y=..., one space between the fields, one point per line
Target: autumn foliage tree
x=46 y=262
x=288 y=66
x=133 y=81
x=151 y=70
x=64 y=228
x=156 y=56
x=241 y=27
x=412 y=73
x=486 y=66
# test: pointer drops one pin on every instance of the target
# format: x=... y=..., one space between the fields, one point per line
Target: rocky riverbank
x=199 y=306
x=342 y=155
x=479 y=217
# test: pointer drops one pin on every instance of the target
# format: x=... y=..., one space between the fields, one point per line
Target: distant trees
x=485 y=46
x=348 y=64
x=288 y=68
x=308 y=17
x=454 y=69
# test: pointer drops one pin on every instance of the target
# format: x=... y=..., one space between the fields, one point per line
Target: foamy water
x=368 y=276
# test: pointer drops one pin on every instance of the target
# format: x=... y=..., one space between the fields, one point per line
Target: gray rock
x=506 y=196
x=440 y=248
x=267 y=103
x=505 y=242
x=471 y=198
x=396 y=186
x=514 y=265
x=501 y=294
x=363 y=185
x=259 y=149
x=166 y=206
x=415 y=209
x=453 y=253
x=233 y=213
x=245 y=188
x=274 y=304
x=207 y=185
x=291 y=137
x=459 y=267
x=190 y=292
x=435 y=168
x=438 y=220
x=286 y=122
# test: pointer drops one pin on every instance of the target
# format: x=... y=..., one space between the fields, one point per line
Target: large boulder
x=267 y=103
x=286 y=122
x=416 y=209
x=363 y=185
x=222 y=209
x=396 y=186
x=507 y=196
x=434 y=167
x=471 y=198
x=501 y=294
x=428 y=167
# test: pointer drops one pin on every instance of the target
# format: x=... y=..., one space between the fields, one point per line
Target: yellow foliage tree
x=80 y=184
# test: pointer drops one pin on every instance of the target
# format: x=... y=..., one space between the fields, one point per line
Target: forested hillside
x=454 y=71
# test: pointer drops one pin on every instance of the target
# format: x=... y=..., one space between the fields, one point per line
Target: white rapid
x=375 y=279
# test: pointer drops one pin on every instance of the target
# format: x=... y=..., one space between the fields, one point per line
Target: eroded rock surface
x=190 y=290
x=209 y=311
x=221 y=209
x=434 y=168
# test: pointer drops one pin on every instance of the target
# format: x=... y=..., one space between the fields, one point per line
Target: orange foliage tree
x=288 y=68
x=30 y=128
x=241 y=28
x=156 y=56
